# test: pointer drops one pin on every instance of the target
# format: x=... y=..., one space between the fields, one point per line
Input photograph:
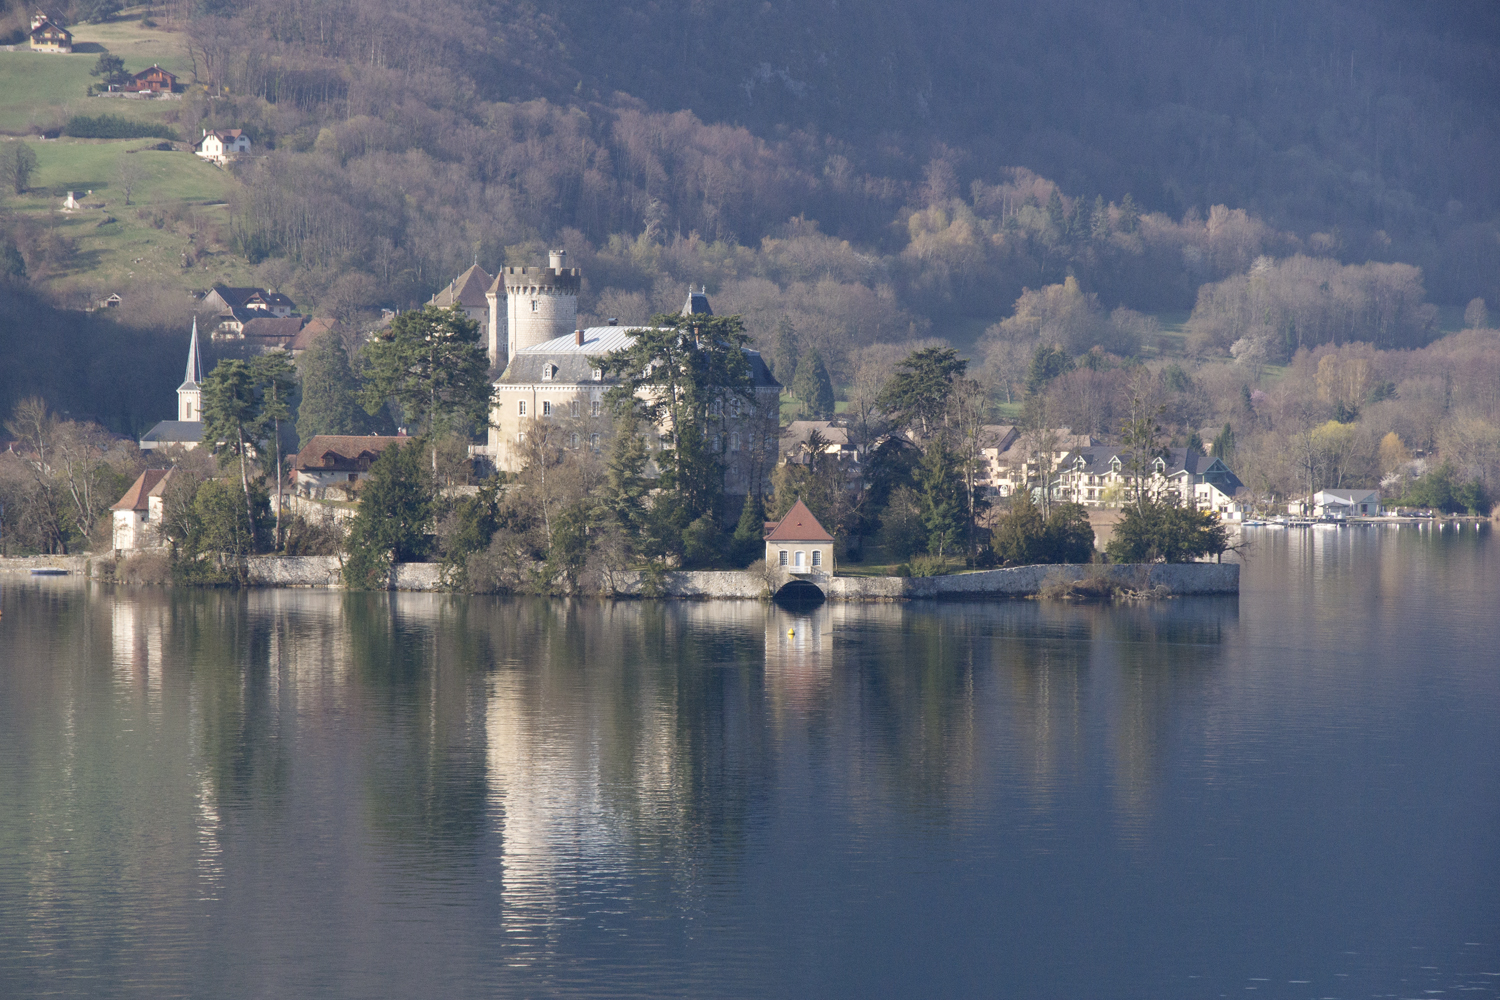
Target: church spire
x=190 y=392
x=194 y=376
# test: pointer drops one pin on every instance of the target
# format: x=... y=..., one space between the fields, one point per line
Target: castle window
x=533 y=305
x=594 y=442
x=573 y=408
x=734 y=442
x=522 y=409
x=573 y=442
x=734 y=407
x=594 y=408
x=546 y=407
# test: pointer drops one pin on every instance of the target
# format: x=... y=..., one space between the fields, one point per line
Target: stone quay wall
x=323 y=572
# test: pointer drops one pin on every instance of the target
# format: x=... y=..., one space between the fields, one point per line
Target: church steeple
x=189 y=393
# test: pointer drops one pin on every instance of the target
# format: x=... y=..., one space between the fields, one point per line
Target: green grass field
x=175 y=207
x=42 y=90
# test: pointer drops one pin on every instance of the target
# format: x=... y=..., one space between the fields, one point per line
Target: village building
x=153 y=80
x=1338 y=504
x=796 y=438
x=468 y=291
x=235 y=307
x=47 y=35
x=187 y=429
x=798 y=544
x=554 y=384
x=221 y=145
x=337 y=460
x=137 y=516
x=1012 y=460
x=1102 y=477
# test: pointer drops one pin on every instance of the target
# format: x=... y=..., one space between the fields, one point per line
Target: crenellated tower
x=541 y=303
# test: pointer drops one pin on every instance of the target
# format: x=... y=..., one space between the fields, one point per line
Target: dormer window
x=598 y=374
x=548 y=370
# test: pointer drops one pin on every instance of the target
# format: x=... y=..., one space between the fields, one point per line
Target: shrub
x=1022 y=538
x=1163 y=530
x=115 y=127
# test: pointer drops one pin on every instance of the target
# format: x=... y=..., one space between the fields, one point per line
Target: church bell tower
x=190 y=392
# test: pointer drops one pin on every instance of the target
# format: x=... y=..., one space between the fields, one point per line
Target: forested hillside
x=869 y=172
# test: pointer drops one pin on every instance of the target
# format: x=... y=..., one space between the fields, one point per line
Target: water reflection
x=409 y=793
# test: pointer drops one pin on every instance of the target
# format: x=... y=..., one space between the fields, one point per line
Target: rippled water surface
x=1294 y=793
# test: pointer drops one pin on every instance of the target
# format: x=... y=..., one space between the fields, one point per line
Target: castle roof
x=799 y=525
x=575 y=362
x=466 y=290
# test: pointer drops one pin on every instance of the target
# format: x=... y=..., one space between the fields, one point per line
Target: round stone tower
x=541 y=303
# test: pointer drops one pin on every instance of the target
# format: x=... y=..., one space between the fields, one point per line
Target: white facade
x=218 y=147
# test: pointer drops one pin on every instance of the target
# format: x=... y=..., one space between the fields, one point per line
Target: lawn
x=42 y=89
x=82 y=165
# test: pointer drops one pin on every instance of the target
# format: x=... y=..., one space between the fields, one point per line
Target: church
x=187 y=429
x=552 y=379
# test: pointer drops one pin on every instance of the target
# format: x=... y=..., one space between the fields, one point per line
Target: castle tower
x=190 y=393
x=541 y=303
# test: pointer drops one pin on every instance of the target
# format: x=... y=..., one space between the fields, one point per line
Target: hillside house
x=221 y=145
x=338 y=459
x=48 y=35
x=836 y=442
x=154 y=80
x=1012 y=460
x=137 y=516
x=799 y=544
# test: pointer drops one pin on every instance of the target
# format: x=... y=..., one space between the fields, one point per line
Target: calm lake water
x=1295 y=792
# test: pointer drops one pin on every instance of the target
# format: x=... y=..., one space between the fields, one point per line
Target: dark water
x=1294 y=793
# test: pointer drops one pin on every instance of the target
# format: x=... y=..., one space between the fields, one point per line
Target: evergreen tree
x=17 y=164
x=231 y=415
x=785 y=351
x=1224 y=445
x=110 y=69
x=1130 y=216
x=330 y=400
x=813 y=388
x=433 y=364
x=395 y=511
x=917 y=395
x=943 y=509
x=749 y=533
x=276 y=382
x=1047 y=363
x=1018 y=536
x=1162 y=529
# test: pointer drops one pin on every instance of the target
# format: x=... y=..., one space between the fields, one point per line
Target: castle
x=552 y=380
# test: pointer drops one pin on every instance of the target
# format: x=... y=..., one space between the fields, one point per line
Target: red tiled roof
x=799 y=525
x=343 y=452
x=135 y=497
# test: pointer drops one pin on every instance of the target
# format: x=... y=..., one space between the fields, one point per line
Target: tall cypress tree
x=812 y=386
x=330 y=401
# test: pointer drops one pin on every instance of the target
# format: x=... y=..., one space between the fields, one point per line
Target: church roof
x=175 y=432
x=799 y=525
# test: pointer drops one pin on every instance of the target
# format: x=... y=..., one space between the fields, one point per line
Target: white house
x=218 y=146
x=138 y=514
x=1338 y=504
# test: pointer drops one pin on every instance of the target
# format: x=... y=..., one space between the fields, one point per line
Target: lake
x=1295 y=792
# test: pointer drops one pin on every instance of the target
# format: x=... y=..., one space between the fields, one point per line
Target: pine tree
x=330 y=403
x=749 y=533
x=786 y=350
x=812 y=386
x=1129 y=215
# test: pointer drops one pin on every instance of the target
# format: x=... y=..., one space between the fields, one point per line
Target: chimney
x=557 y=259
x=578 y=337
x=612 y=321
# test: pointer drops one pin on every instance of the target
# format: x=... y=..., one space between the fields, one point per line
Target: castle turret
x=190 y=392
x=541 y=303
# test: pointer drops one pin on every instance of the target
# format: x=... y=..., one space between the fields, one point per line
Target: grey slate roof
x=175 y=432
x=575 y=363
x=467 y=290
x=1178 y=462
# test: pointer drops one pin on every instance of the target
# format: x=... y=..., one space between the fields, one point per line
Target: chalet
x=151 y=81
x=220 y=146
x=338 y=459
x=799 y=544
x=48 y=35
x=138 y=514
x=467 y=291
